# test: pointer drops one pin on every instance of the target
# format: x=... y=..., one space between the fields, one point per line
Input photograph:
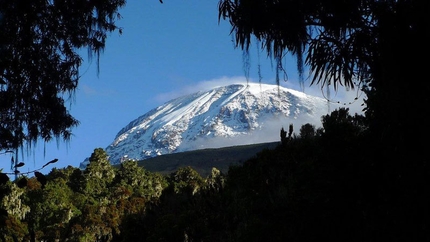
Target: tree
x=140 y=181
x=355 y=44
x=98 y=175
x=366 y=44
x=307 y=131
x=51 y=208
x=99 y=215
x=12 y=228
x=39 y=63
x=340 y=125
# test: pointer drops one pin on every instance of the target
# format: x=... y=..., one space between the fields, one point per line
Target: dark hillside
x=204 y=160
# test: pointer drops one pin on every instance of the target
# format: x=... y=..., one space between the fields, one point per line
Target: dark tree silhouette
x=283 y=135
x=356 y=44
x=39 y=63
x=366 y=44
x=307 y=131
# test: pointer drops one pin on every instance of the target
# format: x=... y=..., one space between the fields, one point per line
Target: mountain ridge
x=204 y=160
x=236 y=114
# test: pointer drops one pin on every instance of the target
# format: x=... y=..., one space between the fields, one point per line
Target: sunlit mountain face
x=224 y=116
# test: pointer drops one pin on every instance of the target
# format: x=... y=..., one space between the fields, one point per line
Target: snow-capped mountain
x=224 y=116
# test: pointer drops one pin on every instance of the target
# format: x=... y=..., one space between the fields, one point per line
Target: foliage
x=11 y=220
x=182 y=213
x=98 y=174
x=39 y=63
x=364 y=162
x=141 y=182
x=341 y=39
x=293 y=26
x=352 y=44
x=307 y=131
x=12 y=202
x=52 y=209
x=90 y=205
x=12 y=229
x=323 y=184
x=186 y=180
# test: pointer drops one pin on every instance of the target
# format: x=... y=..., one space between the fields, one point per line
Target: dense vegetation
x=323 y=184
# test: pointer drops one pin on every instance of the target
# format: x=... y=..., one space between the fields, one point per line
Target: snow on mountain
x=224 y=116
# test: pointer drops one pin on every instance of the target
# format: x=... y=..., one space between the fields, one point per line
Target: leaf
x=3 y=178
x=40 y=178
x=50 y=162
x=22 y=182
x=19 y=164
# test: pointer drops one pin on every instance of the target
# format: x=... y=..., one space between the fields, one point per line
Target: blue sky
x=165 y=50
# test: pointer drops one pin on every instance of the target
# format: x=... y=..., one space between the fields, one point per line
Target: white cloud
x=89 y=91
x=199 y=86
x=269 y=132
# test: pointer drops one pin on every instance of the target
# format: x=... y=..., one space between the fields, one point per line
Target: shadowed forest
x=302 y=190
x=357 y=178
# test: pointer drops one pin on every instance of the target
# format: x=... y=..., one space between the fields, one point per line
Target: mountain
x=204 y=160
x=236 y=114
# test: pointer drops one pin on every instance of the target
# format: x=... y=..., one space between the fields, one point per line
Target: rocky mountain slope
x=230 y=115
